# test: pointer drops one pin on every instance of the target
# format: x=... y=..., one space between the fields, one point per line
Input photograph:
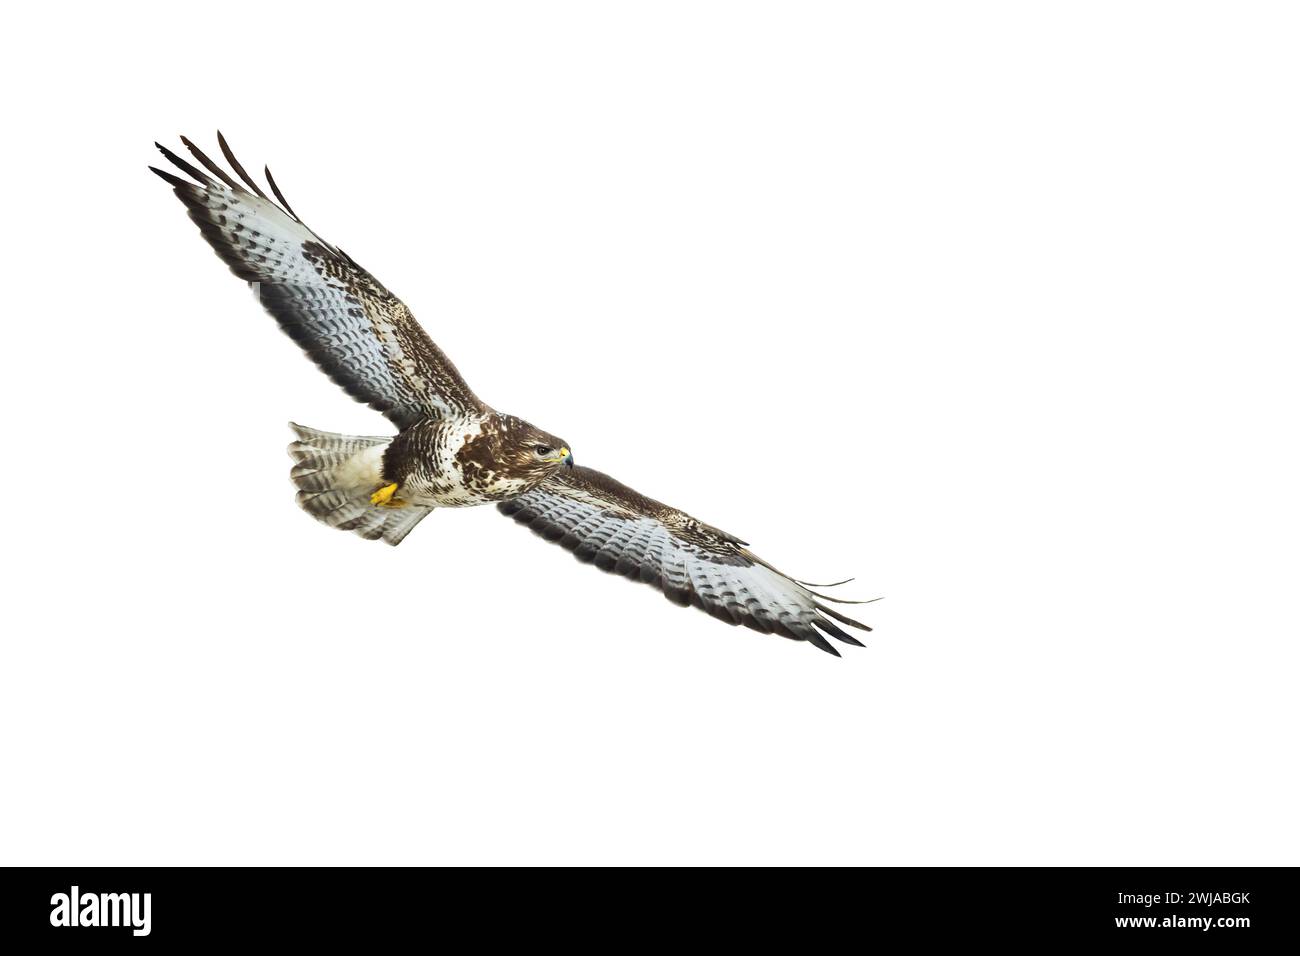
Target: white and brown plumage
x=452 y=449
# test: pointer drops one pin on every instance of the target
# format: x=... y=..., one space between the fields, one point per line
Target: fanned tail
x=336 y=475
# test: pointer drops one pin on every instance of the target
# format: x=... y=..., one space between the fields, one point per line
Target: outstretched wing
x=359 y=333
x=607 y=524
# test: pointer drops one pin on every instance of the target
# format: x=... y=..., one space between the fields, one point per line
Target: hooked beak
x=567 y=457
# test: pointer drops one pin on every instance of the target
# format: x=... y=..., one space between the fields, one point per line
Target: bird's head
x=534 y=452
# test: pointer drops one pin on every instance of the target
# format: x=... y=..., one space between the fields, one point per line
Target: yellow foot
x=384 y=497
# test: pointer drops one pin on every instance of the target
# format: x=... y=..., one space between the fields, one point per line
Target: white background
x=993 y=306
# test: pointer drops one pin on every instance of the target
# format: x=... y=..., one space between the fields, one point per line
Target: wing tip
x=172 y=180
x=838 y=633
x=842 y=618
x=819 y=642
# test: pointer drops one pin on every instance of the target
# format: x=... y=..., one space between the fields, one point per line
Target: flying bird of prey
x=452 y=450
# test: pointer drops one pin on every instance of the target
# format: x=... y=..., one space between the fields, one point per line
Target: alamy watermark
x=101 y=909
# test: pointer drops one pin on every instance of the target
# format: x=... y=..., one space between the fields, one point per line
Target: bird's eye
x=543 y=450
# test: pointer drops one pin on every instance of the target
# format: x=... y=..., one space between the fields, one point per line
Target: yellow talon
x=384 y=496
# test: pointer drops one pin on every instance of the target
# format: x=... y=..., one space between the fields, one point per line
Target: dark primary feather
x=360 y=334
x=279 y=195
x=605 y=523
x=208 y=164
x=239 y=170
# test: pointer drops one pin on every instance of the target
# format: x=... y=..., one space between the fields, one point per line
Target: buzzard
x=453 y=450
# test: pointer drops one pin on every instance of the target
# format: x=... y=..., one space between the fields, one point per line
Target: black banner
x=147 y=907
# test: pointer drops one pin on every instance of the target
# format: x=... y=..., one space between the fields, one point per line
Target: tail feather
x=336 y=475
